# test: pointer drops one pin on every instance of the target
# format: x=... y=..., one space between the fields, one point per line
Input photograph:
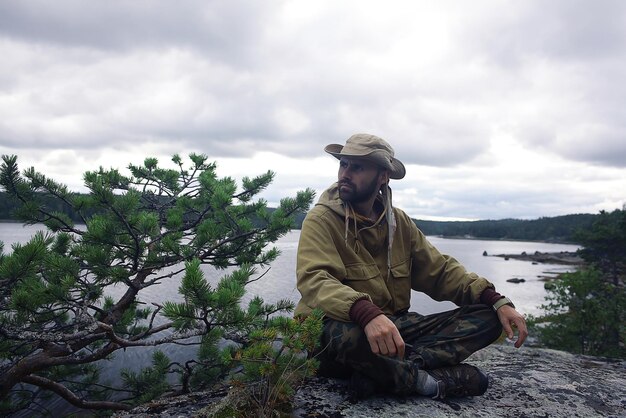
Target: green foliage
x=585 y=311
x=151 y=382
x=584 y=314
x=212 y=362
x=57 y=315
x=604 y=244
x=274 y=363
x=557 y=229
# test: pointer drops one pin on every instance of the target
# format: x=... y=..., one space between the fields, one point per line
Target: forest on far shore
x=550 y=229
x=554 y=229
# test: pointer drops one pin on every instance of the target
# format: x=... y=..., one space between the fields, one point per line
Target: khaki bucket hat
x=372 y=148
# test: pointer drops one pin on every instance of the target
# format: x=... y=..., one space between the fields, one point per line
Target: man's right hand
x=384 y=337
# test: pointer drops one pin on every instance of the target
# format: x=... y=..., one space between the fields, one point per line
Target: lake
x=279 y=281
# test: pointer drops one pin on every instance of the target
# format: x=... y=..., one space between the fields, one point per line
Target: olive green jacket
x=341 y=261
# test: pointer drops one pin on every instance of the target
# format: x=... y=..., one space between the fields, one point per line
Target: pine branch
x=20 y=334
x=71 y=397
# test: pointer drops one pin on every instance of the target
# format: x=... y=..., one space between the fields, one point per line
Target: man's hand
x=510 y=317
x=384 y=337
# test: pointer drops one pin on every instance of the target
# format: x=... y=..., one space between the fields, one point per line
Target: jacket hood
x=330 y=199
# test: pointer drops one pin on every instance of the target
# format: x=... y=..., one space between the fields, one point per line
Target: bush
x=584 y=314
x=272 y=366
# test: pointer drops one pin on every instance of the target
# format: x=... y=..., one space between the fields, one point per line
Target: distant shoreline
x=463 y=237
x=471 y=238
x=563 y=257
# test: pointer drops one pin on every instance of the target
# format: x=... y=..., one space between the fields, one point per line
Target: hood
x=330 y=199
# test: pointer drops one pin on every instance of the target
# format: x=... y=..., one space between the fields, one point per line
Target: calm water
x=279 y=280
x=279 y=283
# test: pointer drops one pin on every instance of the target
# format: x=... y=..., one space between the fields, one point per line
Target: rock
x=563 y=257
x=516 y=280
x=176 y=406
x=485 y=253
x=525 y=382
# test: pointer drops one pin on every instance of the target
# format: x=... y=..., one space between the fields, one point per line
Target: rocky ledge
x=526 y=382
x=563 y=257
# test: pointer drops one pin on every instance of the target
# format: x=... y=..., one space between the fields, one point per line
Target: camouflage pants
x=433 y=341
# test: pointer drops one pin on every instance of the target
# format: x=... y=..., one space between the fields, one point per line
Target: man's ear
x=383 y=177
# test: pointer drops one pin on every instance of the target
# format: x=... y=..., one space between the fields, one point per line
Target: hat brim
x=395 y=167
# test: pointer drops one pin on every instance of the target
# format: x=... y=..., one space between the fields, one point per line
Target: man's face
x=358 y=180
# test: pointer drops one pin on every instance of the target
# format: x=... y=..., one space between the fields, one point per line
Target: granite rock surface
x=525 y=382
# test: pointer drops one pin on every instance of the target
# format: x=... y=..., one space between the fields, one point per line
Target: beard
x=354 y=195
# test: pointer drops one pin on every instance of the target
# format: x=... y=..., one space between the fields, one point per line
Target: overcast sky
x=499 y=109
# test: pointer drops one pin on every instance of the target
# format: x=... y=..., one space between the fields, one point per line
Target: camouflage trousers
x=432 y=341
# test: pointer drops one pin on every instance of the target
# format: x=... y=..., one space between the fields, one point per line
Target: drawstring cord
x=389 y=217
x=346 y=207
x=391 y=224
x=350 y=211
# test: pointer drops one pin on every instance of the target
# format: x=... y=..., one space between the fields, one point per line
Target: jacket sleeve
x=320 y=271
x=442 y=277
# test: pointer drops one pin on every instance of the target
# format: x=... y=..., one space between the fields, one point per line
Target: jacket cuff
x=490 y=296
x=363 y=311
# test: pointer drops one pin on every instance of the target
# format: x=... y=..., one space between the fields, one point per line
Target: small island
x=562 y=257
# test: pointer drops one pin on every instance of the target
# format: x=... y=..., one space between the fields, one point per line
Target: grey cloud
x=234 y=78
x=601 y=146
x=590 y=130
x=574 y=30
x=445 y=144
x=337 y=98
x=224 y=29
x=518 y=201
x=567 y=60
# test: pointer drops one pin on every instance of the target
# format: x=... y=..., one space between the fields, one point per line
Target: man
x=359 y=258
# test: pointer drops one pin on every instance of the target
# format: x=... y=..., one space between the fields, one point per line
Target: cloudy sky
x=498 y=109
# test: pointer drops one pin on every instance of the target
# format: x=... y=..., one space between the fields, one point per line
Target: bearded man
x=358 y=259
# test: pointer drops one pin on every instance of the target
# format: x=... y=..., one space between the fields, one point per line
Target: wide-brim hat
x=372 y=148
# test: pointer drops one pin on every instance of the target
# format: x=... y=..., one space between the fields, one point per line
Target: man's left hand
x=510 y=318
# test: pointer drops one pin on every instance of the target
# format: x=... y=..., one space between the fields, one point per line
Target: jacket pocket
x=366 y=278
x=360 y=271
x=400 y=285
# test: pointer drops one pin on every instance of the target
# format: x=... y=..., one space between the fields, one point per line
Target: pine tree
x=604 y=244
x=585 y=311
x=137 y=231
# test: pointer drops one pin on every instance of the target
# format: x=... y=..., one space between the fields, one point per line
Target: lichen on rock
x=525 y=382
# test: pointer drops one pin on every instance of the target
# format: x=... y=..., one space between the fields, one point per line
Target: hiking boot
x=459 y=380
